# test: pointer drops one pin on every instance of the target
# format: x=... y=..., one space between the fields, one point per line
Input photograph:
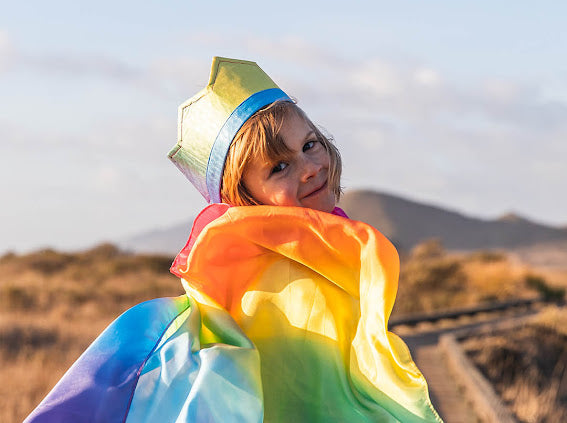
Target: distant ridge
x=166 y=241
x=407 y=223
x=512 y=217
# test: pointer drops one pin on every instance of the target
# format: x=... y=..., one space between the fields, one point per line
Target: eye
x=279 y=167
x=309 y=145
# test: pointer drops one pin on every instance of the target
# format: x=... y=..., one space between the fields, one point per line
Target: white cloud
x=285 y=49
x=380 y=78
x=6 y=51
x=427 y=76
x=161 y=77
x=107 y=179
x=4 y=42
x=180 y=76
x=66 y=63
x=81 y=66
x=502 y=91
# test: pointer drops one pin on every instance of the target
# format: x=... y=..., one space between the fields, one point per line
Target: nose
x=310 y=168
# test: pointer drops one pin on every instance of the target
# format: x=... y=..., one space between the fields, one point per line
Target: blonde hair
x=260 y=137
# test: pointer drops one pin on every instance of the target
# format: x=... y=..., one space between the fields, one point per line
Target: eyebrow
x=312 y=132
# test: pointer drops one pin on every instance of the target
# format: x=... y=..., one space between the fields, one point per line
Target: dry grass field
x=450 y=281
x=528 y=366
x=52 y=304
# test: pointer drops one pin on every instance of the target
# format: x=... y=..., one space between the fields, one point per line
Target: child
x=285 y=316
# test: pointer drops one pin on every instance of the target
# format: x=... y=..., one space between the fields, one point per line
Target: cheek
x=284 y=198
x=283 y=195
x=324 y=158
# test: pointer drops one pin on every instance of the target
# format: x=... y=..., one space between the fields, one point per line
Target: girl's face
x=301 y=180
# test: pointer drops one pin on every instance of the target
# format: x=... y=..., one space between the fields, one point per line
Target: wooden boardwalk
x=423 y=342
x=443 y=389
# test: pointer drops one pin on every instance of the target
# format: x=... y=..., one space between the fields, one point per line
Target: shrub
x=547 y=292
x=488 y=256
x=47 y=261
x=13 y=297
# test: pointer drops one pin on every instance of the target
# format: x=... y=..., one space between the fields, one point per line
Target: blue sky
x=459 y=104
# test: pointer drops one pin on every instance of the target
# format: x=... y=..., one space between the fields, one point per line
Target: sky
x=462 y=105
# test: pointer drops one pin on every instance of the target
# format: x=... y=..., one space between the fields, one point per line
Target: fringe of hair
x=260 y=137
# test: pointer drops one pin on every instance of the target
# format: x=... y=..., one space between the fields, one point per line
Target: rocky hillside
x=407 y=223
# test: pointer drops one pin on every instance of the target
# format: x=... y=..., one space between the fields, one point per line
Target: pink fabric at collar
x=339 y=212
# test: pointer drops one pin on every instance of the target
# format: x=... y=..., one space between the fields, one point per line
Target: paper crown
x=209 y=120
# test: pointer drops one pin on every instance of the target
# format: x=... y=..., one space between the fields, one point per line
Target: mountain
x=167 y=240
x=407 y=223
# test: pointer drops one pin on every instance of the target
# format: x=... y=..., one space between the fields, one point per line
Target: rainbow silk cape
x=284 y=319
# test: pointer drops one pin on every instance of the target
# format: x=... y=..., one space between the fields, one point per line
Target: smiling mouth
x=316 y=191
